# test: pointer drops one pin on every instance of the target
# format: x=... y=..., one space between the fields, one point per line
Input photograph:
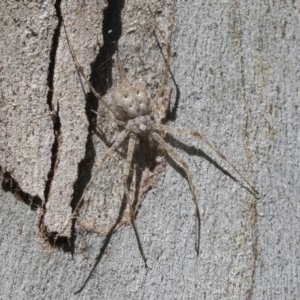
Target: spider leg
x=166 y=38
x=161 y=101
x=127 y=168
x=123 y=77
x=182 y=164
x=119 y=140
x=79 y=68
x=213 y=149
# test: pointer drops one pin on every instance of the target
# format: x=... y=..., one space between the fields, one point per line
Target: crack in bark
x=101 y=80
x=9 y=184
x=54 y=112
x=55 y=119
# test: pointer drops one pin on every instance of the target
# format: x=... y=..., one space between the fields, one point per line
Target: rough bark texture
x=236 y=65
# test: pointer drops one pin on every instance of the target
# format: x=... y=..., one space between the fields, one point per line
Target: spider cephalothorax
x=141 y=125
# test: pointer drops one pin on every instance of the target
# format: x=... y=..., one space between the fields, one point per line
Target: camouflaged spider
x=141 y=116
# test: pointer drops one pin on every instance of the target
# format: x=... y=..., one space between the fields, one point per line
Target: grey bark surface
x=237 y=68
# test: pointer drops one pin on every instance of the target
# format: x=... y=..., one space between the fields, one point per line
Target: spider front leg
x=183 y=166
x=127 y=168
x=161 y=101
x=79 y=69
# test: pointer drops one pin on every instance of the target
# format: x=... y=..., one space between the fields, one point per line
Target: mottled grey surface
x=237 y=68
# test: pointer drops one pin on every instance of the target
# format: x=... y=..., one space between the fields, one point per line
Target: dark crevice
x=101 y=80
x=56 y=123
x=9 y=184
x=54 y=111
x=54 y=46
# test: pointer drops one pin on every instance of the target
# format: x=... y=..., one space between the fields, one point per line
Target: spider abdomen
x=131 y=101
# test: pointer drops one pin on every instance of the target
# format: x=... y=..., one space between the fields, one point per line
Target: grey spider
x=141 y=116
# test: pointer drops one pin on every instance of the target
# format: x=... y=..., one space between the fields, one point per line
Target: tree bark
x=236 y=72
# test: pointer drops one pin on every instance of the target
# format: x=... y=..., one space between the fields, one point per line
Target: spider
x=142 y=117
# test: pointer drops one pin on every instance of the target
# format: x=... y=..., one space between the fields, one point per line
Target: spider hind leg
x=213 y=152
x=184 y=167
x=126 y=175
